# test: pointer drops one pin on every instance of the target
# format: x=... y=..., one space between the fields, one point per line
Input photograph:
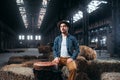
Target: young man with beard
x=66 y=49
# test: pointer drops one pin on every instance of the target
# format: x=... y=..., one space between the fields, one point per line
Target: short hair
x=65 y=22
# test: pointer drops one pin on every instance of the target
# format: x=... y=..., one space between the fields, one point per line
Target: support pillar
x=85 y=27
x=115 y=49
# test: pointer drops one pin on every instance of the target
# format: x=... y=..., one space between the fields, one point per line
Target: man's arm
x=76 y=47
x=55 y=51
x=55 y=48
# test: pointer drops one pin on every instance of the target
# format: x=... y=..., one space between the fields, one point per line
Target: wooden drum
x=46 y=71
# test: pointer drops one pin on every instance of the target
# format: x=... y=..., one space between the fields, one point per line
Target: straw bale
x=87 y=52
x=97 y=67
x=82 y=76
x=81 y=64
x=44 y=49
x=110 y=76
x=20 y=59
x=16 y=73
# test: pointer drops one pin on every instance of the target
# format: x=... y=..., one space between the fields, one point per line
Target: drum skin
x=44 y=66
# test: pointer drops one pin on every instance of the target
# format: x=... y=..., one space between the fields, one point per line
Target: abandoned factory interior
x=36 y=36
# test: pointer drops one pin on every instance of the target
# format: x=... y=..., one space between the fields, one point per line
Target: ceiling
x=56 y=10
x=9 y=15
x=59 y=10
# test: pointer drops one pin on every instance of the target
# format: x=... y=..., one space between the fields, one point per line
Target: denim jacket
x=72 y=46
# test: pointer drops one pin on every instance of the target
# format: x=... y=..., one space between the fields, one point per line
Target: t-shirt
x=64 y=52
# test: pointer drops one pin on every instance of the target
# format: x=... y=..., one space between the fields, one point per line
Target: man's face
x=63 y=28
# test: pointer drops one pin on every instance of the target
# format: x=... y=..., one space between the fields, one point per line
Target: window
x=21 y=37
x=42 y=12
x=19 y=2
x=94 y=4
x=37 y=37
x=29 y=37
x=77 y=16
x=22 y=10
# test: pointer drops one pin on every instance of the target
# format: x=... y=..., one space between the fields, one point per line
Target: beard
x=64 y=32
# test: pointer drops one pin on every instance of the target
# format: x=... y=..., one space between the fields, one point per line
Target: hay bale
x=81 y=64
x=5 y=75
x=7 y=67
x=20 y=70
x=20 y=59
x=43 y=57
x=29 y=63
x=65 y=71
x=82 y=76
x=87 y=52
x=24 y=64
x=96 y=68
x=44 y=49
x=16 y=59
x=110 y=76
x=28 y=57
x=46 y=56
x=16 y=73
x=51 y=58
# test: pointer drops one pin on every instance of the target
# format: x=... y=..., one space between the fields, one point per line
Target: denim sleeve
x=55 y=48
x=76 y=48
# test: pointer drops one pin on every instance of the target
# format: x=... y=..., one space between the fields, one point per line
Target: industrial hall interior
x=36 y=36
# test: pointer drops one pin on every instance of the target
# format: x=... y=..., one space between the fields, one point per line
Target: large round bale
x=87 y=52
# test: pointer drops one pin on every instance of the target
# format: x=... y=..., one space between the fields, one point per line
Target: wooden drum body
x=46 y=71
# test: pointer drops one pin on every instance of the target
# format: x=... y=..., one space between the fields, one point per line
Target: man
x=66 y=49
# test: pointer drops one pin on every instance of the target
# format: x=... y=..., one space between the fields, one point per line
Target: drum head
x=44 y=65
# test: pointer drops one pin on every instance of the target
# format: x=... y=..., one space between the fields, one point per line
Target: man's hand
x=56 y=60
x=69 y=60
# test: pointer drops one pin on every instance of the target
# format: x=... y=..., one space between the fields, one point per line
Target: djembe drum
x=46 y=71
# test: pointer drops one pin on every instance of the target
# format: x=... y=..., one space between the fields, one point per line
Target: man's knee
x=72 y=66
